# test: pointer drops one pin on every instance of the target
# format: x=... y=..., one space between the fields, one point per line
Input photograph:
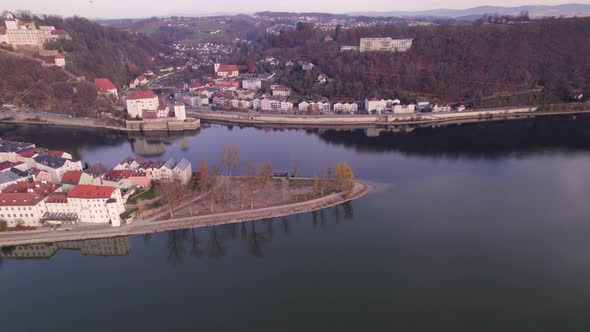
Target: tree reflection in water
x=255 y=235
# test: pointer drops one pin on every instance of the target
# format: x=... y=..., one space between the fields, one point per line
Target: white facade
x=57 y=173
x=60 y=61
x=346 y=108
x=385 y=45
x=97 y=208
x=252 y=84
x=399 y=109
x=135 y=107
x=179 y=111
x=375 y=105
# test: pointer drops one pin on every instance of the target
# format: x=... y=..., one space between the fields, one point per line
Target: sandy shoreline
x=360 y=189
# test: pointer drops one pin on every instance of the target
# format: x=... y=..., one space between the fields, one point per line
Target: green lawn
x=148 y=194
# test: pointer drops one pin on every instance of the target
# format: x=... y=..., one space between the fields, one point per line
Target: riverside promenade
x=372 y=120
x=153 y=225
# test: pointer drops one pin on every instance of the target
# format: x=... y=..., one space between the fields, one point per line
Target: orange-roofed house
x=106 y=87
x=96 y=204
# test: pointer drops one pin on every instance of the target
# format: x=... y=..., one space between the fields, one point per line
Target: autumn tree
x=204 y=175
x=343 y=176
x=230 y=154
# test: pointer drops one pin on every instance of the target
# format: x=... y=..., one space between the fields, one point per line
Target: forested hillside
x=452 y=62
x=97 y=51
x=93 y=51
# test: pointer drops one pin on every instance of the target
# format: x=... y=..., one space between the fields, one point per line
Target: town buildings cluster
x=40 y=186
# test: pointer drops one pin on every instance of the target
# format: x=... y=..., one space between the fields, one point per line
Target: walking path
x=150 y=225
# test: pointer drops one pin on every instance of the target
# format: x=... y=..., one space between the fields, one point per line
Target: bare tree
x=171 y=191
x=230 y=155
x=251 y=182
x=295 y=168
x=265 y=174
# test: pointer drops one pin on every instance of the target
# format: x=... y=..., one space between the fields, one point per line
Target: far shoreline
x=144 y=226
x=358 y=121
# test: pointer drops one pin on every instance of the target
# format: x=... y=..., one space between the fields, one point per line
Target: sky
x=146 y=8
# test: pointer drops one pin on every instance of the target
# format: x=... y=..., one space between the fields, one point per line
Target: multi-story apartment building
x=385 y=45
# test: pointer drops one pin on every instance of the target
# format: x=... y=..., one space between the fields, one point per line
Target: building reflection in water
x=214 y=242
x=154 y=144
x=118 y=246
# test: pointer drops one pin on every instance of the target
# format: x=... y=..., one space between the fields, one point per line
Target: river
x=474 y=227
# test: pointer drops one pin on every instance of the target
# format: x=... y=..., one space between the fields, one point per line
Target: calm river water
x=479 y=227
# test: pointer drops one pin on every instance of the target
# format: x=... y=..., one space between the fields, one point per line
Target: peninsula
x=47 y=196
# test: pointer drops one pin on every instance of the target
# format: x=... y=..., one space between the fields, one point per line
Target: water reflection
x=118 y=246
x=181 y=245
x=475 y=140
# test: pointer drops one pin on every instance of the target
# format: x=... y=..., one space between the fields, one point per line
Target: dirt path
x=360 y=189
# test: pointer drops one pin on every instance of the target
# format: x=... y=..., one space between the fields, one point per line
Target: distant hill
x=567 y=10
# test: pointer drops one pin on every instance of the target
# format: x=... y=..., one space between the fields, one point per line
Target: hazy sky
x=143 y=8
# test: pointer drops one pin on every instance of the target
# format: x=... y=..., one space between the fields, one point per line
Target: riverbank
x=60 y=120
x=374 y=120
x=146 y=226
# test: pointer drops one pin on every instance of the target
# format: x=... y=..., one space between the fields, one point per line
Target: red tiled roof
x=114 y=175
x=57 y=198
x=7 y=165
x=28 y=153
x=162 y=107
x=59 y=56
x=56 y=153
x=227 y=68
x=141 y=78
x=142 y=94
x=58 y=32
x=104 y=84
x=91 y=192
x=71 y=177
x=26 y=193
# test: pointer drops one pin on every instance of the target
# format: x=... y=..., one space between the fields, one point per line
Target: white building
x=281 y=91
x=252 y=84
x=56 y=166
x=139 y=101
x=106 y=87
x=183 y=171
x=179 y=111
x=385 y=45
x=375 y=105
x=226 y=70
x=346 y=108
x=59 y=60
x=24 y=34
x=400 y=109
x=96 y=204
x=24 y=202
